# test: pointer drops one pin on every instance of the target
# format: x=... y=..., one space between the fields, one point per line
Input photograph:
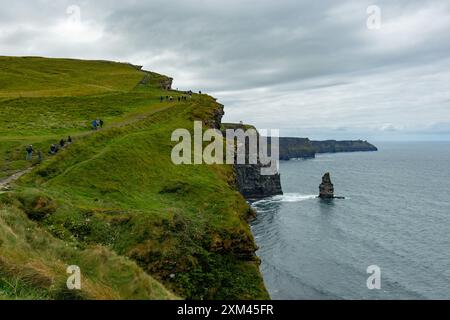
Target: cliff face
x=292 y=148
x=332 y=146
x=253 y=185
x=249 y=180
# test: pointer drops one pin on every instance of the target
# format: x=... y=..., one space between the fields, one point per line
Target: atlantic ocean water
x=396 y=216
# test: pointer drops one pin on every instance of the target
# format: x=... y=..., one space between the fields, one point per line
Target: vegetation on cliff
x=113 y=199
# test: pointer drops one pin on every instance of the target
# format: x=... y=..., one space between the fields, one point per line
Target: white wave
x=287 y=197
x=296 y=197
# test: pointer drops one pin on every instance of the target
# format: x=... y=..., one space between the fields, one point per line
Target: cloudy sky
x=323 y=69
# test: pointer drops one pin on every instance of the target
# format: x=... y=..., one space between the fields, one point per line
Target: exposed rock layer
x=249 y=180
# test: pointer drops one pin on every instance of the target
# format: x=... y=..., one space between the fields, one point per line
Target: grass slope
x=118 y=190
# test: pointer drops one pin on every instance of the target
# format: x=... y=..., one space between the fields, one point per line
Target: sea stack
x=326 y=188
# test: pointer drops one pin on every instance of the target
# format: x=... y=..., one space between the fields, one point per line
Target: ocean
x=396 y=215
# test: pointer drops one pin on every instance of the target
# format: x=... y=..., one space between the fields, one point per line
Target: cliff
x=291 y=148
x=113 y=202
x=332 y=146
x=249 y=180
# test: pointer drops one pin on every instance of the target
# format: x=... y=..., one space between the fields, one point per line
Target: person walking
x=62 y=143
x=101 y=123
x=40 y=156
x=53 y=149
x=94 y=124
x=69 y=139
x=29 y=150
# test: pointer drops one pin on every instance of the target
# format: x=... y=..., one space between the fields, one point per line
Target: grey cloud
x=277 y=64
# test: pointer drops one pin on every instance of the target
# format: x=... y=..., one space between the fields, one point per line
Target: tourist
x=62 y=143
x=101 y=123
x=94 y=124
x=53 y=149
x=69 y=139
x=29 y=150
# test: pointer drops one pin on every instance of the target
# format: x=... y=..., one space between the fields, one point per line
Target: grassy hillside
x=116 y=190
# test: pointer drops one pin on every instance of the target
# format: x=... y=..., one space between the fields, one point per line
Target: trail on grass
x=6 y=182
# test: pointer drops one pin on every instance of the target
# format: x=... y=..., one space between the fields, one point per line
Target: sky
x=376 y=70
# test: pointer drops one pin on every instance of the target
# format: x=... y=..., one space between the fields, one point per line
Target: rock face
x=332 y=146
x=326 y=188
x=253 y=185
x=249 y=180
x=293 y=148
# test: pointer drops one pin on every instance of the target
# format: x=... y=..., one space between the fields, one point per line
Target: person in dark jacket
x=29 y=150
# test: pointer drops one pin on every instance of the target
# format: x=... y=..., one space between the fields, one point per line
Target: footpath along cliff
x=112 y=202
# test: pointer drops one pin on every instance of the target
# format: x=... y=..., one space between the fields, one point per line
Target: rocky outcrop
x=253 y=185
x=166 y=84
x=326 y=188
x=249 y=180
x=163 y=82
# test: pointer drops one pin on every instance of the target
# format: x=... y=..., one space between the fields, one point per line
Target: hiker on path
x=101 y=123
x=94 y=124
x=29 y=150
x=69 y=139
x=62 y=143
x=53 y=149
x=179 y=99
x=161 y=99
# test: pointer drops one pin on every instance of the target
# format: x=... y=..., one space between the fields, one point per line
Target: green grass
x=33 y=266
x=117 y=189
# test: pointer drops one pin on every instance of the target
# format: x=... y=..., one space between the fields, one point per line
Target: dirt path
x=5 y=183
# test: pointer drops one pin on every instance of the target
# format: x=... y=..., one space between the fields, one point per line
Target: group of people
x=170 y=98
x=98 y=123
x=54 y=148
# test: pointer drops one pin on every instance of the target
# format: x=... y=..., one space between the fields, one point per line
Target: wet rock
x=326 y=188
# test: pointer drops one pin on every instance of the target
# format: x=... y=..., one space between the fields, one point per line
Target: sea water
x=396 y=215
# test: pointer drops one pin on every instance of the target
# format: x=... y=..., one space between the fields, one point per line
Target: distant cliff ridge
x=292 y=148
x=332 y=146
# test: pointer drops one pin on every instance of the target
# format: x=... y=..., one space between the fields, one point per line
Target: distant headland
x=293 y=148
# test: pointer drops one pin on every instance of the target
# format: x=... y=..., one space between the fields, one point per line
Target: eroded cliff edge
x=251 y=183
